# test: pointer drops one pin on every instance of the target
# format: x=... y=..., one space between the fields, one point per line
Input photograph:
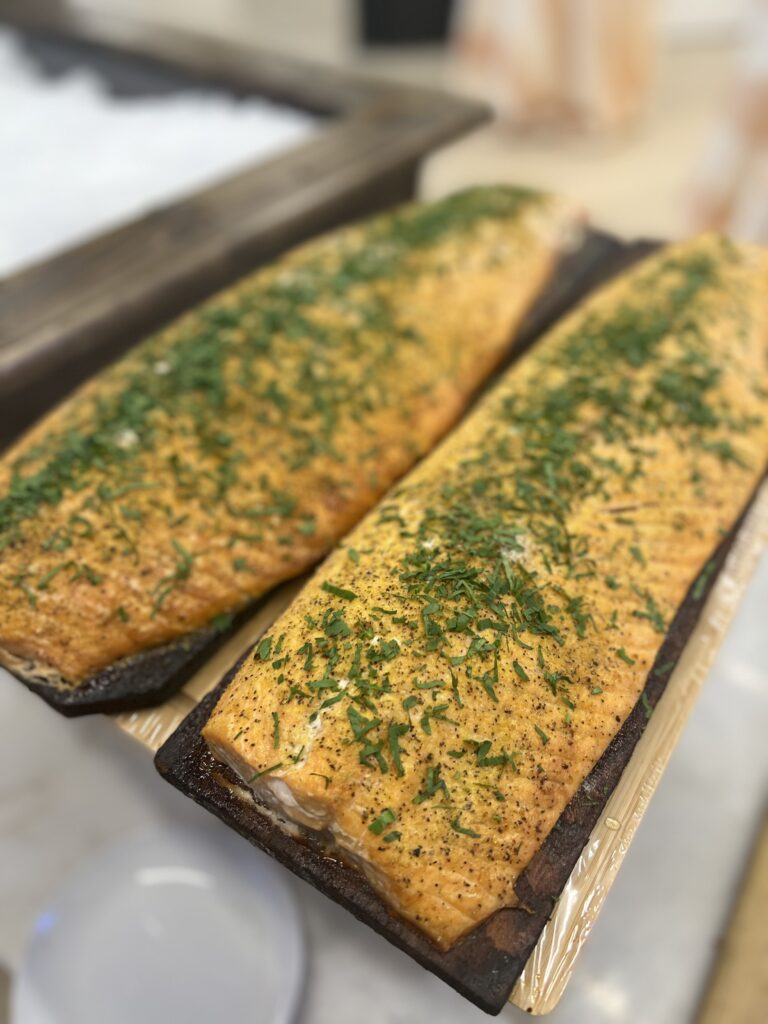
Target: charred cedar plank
x=484 y=965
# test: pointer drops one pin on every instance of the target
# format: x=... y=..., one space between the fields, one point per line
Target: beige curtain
x=583 y=63
x=731 y=178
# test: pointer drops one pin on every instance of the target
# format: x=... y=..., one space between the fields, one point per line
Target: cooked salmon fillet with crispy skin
x=231 y=450
x=438 y=692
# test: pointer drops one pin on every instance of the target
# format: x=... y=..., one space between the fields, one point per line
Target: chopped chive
x=331 y=588
x=42 y=583
x=432 y=784
x=221 y=622
x=386 y=817
x=647 y=706
x=637 y=554
x=661 y=670
x=700 y=585
x=457 y=827
x=266 y=771
x=394 y=732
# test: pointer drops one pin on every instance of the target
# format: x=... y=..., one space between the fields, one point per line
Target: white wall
x=697 y=19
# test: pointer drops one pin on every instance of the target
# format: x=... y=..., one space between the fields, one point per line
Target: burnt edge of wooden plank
x=141 y=680
x=485 y=964
x=153 y=676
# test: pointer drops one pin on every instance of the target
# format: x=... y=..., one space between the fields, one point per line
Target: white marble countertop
x=68 y=786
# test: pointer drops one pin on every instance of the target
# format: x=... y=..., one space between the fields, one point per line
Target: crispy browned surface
x=557 y=532
x=230 y=451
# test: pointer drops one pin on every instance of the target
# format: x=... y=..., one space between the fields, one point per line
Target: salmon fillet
x=437 y=693
x=231 y=450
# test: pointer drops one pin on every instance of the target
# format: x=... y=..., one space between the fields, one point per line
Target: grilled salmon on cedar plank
x=231 y=450
x=439 y=691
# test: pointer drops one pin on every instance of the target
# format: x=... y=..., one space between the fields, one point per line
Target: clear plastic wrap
x=551 y=964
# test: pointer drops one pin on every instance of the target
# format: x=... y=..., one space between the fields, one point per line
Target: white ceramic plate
x=176 y=924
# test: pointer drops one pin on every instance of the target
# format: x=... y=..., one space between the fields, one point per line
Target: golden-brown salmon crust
x=229 y=452
x=439 y=691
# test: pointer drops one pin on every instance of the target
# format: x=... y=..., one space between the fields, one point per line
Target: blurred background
x=651 y=113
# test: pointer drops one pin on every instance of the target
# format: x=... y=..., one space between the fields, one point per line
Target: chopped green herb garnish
x=457 y=827
x=433 y=784
x=222 y=622
x=169 y=583
x=662 y=670
x=701 y=584
x=394 y=732
x=541 y=734
x=647 y=706
x=486 y=760
x=331 y=588
x=637 y=554
x=264 y=648
x=386 y=817
x=265 y=771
